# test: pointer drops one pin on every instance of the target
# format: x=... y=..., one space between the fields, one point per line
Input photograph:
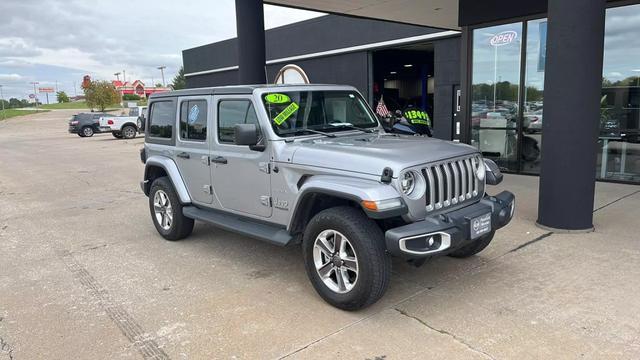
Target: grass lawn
x=8 y=113
x=81 y=105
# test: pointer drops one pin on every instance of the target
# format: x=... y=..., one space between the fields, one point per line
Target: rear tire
x=129 y=132
x=361 y=263
x=86 y=131
x=166 y=211
x=473 y=248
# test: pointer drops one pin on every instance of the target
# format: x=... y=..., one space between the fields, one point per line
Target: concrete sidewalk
x=84 y=275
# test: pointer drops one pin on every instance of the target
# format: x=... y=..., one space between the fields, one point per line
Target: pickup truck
x=124 y=126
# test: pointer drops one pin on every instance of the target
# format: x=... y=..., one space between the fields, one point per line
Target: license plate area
x=480 y=225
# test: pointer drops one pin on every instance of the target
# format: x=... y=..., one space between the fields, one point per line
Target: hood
x=371 y=153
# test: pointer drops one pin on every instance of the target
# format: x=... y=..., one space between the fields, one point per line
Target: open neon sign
x=503 y=38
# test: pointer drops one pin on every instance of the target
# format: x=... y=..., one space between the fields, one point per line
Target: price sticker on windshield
x=285 y=114
x=277 y=99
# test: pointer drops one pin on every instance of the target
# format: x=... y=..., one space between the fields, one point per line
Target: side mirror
x=493 y=174
x=248 y=134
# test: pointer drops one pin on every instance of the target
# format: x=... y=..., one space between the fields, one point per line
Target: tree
x=179 y=81
x=62 y=97
x=100 y=94
x=158 y=85
x=130 y=97
x=15 y=103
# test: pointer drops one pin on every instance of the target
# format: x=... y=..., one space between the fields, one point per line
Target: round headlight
x=413 y=184
x=480 y=171
x=408 y=182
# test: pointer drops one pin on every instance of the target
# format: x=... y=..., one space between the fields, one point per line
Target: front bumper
x=447 y=232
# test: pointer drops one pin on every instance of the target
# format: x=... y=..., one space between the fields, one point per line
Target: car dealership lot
x=84 y=274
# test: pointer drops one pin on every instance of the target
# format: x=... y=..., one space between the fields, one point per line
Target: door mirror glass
x=246 y=134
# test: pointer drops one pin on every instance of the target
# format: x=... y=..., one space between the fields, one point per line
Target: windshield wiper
x=353 y=127
x=316 y=132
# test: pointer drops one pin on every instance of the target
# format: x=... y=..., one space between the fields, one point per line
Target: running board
x=244 y=226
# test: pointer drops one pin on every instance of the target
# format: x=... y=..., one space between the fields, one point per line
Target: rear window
x=161 y=119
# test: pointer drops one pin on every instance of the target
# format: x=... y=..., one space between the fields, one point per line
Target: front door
x=192 y=147
x=240 y=176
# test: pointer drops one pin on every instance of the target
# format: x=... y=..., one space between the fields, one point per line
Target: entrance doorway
x=403 y=76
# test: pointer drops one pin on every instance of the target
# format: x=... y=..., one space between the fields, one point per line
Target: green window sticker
x=285 y=114
x=277 y=98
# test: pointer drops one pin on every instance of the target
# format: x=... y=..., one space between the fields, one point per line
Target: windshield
x=299 y=112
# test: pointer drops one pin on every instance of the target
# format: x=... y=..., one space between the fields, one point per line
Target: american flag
x=381 y=109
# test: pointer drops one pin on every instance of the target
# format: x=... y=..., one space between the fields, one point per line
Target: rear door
x=192 y=146
x=240 y=176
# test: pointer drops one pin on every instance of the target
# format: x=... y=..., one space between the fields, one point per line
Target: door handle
x=219 y=160
x=184 y=155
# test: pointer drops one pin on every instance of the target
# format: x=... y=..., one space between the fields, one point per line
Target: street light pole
x=35 y=96
x=2 y=101
x=161 y=68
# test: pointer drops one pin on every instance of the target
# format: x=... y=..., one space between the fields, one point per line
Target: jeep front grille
x=452 y=182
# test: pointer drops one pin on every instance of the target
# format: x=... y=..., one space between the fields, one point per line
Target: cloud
x=103 y=37
x=10 y=77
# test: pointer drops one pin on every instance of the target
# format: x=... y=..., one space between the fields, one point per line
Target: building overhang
x=434 y=13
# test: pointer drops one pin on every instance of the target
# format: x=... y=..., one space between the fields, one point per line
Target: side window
x=193 y=120
x=161 y=119
x=232 y=112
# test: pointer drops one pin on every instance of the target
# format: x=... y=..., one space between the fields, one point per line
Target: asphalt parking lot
x=84 y=275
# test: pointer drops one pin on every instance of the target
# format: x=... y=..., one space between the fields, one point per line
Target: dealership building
x=549 y=88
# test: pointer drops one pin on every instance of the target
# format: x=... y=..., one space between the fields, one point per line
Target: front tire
x=345 y=258
x=473 y=248
x=166 y=211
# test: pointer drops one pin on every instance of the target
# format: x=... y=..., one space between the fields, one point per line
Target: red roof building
x=137 y=87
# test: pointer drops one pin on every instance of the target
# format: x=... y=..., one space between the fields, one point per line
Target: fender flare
x=170 y=167
x=353 y=189
x=129 y=123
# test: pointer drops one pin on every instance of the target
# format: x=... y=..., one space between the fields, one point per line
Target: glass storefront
x=496 y=93
x=619 y=158
x=507 y=95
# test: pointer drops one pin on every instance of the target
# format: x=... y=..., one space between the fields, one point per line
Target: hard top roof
x=231 y=90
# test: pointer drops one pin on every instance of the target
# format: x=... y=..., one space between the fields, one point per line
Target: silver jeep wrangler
x=310 y=164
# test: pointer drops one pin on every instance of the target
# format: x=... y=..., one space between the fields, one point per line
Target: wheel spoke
x=338 y=243
x=157 y=207
x=341 y=275
x=323 y=244
x=325 y=270
x=350 y=263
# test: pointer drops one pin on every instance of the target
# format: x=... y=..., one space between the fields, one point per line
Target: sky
x=51 y=41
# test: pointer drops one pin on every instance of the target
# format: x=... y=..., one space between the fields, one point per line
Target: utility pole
x=35 y=96
x=75 y=91
x=2 y=101
x=124 y=76
x=161 y=68
x=117 y=75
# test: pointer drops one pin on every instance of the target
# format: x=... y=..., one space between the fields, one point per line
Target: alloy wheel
x=336 y=261
x=163 y=210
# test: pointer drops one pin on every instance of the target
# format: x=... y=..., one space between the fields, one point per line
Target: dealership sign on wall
x=503 y=38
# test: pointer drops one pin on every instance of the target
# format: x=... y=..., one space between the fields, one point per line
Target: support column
x=251 y=44
x=572 y=88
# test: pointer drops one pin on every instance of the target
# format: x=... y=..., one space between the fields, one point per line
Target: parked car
x=126 y=127
x=85 y=124
x=311 y=165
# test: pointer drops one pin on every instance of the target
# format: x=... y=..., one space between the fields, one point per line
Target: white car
x=124 y=127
